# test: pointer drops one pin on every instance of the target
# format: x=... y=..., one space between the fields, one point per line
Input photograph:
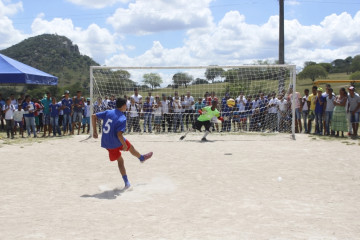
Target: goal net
x=167 y=99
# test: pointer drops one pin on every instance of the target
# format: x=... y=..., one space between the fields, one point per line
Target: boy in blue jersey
x=114 y=125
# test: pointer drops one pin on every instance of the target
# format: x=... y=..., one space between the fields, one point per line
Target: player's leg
x=122 y=170
x=207 y=125
x=135 y=153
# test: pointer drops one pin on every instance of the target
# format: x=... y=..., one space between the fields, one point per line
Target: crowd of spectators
x=323 y=110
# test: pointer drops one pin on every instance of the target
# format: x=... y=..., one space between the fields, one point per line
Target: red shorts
x=115 y=153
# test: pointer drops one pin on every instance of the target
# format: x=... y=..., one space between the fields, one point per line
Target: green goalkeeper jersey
x=208 y=114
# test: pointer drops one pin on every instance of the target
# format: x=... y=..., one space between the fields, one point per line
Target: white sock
x=206 y=133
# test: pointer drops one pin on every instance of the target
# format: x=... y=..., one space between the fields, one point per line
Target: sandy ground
x=232 y=187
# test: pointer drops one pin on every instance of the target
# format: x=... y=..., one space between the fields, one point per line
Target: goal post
x=257 y=89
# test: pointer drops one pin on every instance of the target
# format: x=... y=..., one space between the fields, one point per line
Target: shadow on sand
x=109 y=194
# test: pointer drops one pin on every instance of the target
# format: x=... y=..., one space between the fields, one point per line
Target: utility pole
x=281 y=33
x=281 y=45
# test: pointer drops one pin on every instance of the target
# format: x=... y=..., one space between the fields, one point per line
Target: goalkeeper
x=206 y=114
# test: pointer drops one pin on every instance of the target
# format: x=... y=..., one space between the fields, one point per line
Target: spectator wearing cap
x=353 y=108
x=66 y=106
x=339 y=121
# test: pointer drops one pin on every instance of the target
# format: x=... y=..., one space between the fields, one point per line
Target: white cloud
x=233 y=41
x=94 y=41
x=8 y=34
x=144 y=16
x=7 y=8
x=96 y=3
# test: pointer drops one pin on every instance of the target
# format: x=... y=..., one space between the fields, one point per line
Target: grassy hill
x=56 y=55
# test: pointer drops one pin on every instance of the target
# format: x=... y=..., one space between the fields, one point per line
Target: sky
x=189 y=32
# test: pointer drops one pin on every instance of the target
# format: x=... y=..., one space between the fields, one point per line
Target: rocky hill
x=56 y=55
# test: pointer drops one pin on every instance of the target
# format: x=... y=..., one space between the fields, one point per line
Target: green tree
x=309 y=63
x=212 y=73
x=313 y=72
x=153 y=79
x=199 y=81
x=180 y=79
x=327 y=66
x=355 y=65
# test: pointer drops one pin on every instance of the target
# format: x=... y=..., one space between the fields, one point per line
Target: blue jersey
x=114 y=121
x=67 y=103
x=54 y=109
x=32 y=108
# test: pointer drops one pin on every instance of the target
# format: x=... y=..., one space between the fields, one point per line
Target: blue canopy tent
x=14 y=72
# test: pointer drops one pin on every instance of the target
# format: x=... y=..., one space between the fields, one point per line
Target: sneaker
x=203 y=139
x=147 y=156
x=127 y=185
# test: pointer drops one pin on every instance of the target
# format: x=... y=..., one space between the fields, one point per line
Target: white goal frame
x=292 y=79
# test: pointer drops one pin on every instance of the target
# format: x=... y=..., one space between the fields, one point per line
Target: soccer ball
x=230 y=102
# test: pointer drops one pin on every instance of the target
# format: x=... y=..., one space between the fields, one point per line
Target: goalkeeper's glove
x=221 y=119
x=199 y=111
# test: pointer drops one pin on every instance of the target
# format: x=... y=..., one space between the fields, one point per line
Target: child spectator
x=329 y=108
x=19 y=120
x=339 y=120
x=86 y=119
x=157 y=114
x=354 y=109
x=8 y=110
x=38 y=108
x=54 y=116
x=147 y=109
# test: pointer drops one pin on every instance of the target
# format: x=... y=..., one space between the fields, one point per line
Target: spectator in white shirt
x=8 y=110
x=273 y=113
x=166 y=118
x=19 y=120
x=189 y=109
x=305 y=109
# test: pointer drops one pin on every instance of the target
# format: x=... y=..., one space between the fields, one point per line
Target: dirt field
x=232 y=187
